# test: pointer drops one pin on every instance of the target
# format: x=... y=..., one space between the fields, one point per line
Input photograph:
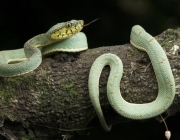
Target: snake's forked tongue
x=91 y=22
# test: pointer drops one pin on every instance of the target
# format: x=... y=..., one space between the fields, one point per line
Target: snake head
x=66 y=29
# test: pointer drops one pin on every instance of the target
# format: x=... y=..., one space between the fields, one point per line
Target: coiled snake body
x=166 y=86
x=63 y=36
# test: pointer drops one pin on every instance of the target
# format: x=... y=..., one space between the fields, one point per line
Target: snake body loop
x=64 y=36
x=166 y=85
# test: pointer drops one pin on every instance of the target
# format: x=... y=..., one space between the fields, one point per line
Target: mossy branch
x=55 y=95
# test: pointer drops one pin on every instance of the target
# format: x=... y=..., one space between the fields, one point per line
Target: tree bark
x=55 y=96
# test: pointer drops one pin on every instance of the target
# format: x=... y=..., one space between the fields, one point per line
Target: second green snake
x=63 y=36
x=166 y=86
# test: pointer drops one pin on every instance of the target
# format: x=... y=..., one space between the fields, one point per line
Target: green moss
x=130 y=53
x=11 y=117
x=6 y=93
x=169 y=38
x=70 y=88
x=11 y=89
x=22 y=134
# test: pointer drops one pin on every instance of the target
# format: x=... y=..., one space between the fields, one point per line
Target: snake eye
x=68 y=25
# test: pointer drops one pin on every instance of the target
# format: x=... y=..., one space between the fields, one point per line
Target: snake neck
x=38 y=41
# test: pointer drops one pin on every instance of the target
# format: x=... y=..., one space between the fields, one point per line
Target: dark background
x=21 y=20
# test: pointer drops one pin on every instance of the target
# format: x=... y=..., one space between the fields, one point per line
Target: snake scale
x=140 y=39
x=65 y=36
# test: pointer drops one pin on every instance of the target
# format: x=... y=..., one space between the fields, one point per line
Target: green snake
x=140 y=39
x=65 y=36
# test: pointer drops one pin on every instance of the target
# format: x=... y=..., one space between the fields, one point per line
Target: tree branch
x=55 y=95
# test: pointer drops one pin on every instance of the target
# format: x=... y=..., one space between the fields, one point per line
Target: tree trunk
x=55 y=97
